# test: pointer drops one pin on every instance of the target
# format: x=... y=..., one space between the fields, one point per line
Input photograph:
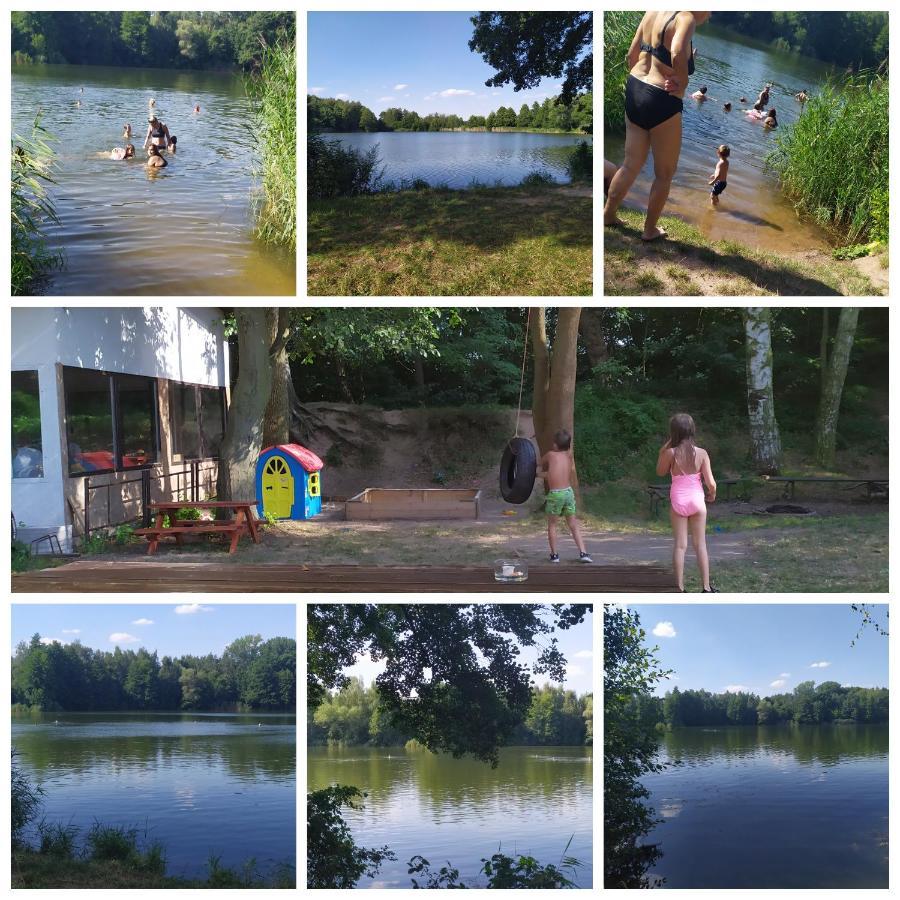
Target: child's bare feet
x=654 y=235
x=613 y=221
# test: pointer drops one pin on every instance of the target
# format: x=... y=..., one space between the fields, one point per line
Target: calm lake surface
x=773 y=807
x=200 y=783
x=185 y=229
x=456 y=158
x=752 y=209
x=462 y=810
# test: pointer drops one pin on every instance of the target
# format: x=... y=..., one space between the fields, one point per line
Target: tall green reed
x=618 y=32
x=833 y=162
x=31 y=208
x=274 y=90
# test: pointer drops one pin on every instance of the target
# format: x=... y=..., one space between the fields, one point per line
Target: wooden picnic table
x=243 y=521
x=874 y=486
x=163 y=576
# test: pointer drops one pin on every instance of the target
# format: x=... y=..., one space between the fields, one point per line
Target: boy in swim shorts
x=719 y=178
x=556 y=469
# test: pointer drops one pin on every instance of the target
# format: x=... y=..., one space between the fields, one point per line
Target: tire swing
x=518 y=465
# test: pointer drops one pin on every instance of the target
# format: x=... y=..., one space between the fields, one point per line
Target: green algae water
x=186 y=229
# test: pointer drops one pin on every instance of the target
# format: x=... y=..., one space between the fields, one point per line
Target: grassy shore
x=527 y=240
x=687 y=263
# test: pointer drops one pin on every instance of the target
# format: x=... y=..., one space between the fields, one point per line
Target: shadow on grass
x=485 y=219
x=774 y=278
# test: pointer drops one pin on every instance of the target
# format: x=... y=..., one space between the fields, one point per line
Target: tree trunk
x=553 y=406
x=765 y=441
x=823 y=351
x=419 y=371
x=244 y=432
x=593 y=334
x=277 y=421
x=833 y=387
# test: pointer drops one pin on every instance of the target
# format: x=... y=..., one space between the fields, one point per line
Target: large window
x=25 y=409
x=110 y=421
x=198 y=420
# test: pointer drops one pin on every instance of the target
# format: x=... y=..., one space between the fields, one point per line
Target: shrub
x=581 y=163
x=537 y=179
x=26 y=800
x=57 y=840
x=336 y=171
x=618 y=31
x=106 y=842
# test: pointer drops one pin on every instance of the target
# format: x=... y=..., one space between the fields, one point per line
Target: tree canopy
x=525 y=47
x=251 y=673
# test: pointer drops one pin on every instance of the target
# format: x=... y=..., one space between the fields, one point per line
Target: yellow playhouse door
x=278 y=488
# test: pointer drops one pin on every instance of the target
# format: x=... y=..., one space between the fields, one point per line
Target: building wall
x=183 y=344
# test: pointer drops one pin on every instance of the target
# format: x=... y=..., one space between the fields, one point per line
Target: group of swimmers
x=157 y=139
x=759 y=111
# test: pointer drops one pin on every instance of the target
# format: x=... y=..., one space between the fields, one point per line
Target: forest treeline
x=330 y=114
x=251 y=673
x=855 y=39
x=807 y=704
x=181 y=40
x=355 y=716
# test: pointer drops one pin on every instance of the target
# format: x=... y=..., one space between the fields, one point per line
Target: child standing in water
x=690 y=468
x=719 y=178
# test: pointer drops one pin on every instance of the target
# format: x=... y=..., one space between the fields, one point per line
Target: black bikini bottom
x=647 y=105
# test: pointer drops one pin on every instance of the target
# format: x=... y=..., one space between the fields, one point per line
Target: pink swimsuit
x=686 y=495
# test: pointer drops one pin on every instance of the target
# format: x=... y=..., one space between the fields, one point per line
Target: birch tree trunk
x=833 y=386
x=765 y=441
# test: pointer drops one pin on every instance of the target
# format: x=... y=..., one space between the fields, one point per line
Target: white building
x=112 y=408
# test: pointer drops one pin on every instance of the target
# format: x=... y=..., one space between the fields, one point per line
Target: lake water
x=200 y=783
x=185 y=229
x=773 y=807
x=751 y=209
x=456 y=158
x=462 y=810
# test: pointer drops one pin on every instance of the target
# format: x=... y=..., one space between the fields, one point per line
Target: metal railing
x=184 y=484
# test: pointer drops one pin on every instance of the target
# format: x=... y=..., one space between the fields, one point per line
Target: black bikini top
x=664 y=55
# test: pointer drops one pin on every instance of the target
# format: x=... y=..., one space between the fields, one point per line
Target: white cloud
x=584 y=654
x=572 y=671
x=400 y=87
x=142 y=622
x=820 y=665
x=664 y=629
x=495 y=93
x=188 y=609
x=429 y=96
x=47 y=641
x=341 y=96
x=735 y=688
x=785 y=675
x=777 y=683
x=456 y=92
x=71 y=631
x=316 y=90
x=123 y=637
x=671 y=677
x=386 y=99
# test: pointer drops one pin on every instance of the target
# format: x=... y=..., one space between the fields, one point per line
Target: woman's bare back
x=648 y=68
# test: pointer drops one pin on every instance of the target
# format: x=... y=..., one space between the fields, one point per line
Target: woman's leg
x=665 y=141
x=637 y=146
x=680 y=532
x=698 y=539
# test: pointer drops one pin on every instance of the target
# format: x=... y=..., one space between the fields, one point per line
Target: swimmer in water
x=151 y=103
x=126 y=130
x=771 y=121
x=154 y=158
x=727 y=107
x=172 y=144
x=701 y=94
x=157 y=133
x=718 y=181
x=197 y=108
x=120 y=153
x=803 y=96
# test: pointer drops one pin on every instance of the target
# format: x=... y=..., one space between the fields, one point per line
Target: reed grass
x=618 y=32
x=274 y=90
x=833 y=162
x=31 y=208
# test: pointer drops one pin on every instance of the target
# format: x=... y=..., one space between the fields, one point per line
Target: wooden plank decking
x=90 y=576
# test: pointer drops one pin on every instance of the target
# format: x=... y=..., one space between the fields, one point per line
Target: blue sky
x=765 y=648
x=172 y=630
x=575 y=643
x=419 y=61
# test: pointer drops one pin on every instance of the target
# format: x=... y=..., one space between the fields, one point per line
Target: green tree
x=525 y=47
x=135 y=34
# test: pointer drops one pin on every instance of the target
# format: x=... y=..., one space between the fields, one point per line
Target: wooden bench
x=168 y=524
x=875 y=487
x=660 y=492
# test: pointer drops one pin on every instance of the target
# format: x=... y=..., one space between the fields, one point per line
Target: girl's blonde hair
x=682 y=432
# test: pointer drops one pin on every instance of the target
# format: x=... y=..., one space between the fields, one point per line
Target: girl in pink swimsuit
x=689 y=467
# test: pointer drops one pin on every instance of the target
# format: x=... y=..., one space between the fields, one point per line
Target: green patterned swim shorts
x=560 y=503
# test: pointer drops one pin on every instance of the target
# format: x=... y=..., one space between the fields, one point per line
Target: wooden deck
x=90 y=576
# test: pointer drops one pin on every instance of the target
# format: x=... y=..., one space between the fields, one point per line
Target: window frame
x=197 y=389
x=37 y=375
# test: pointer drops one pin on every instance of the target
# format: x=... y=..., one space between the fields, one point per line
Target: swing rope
x=522 y=378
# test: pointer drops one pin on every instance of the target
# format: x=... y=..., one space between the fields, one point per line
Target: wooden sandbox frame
x=414 y=503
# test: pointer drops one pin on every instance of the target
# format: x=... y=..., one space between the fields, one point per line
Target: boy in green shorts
x=556 y=469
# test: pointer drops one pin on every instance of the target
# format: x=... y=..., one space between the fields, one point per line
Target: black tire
x=518 y=469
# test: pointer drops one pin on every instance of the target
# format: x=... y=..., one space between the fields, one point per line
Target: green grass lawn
x=529 y=241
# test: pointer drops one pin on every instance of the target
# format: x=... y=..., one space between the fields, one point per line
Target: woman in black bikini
x=661 y=58
x=157 y=134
